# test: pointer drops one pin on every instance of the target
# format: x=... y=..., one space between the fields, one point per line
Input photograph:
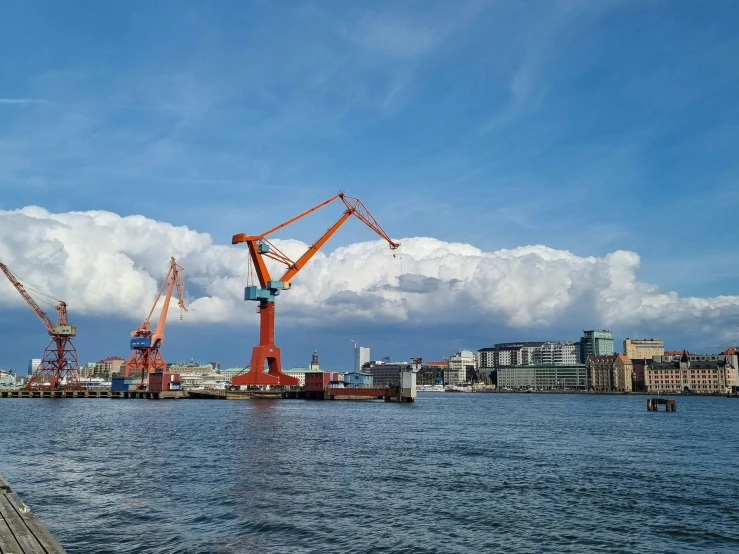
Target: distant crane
x=727 y=347
x=259 y=248
x=59 y=367
x=145 y=343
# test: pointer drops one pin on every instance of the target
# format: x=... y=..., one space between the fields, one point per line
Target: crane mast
x=260 y=248
x=59 y=367
x=145 y=343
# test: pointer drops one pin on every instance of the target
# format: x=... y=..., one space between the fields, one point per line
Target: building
x=508 y=354
x=193 y=367
x=610 y=373
x=361 y=357
x=432 y=373
x=458 y=367
x=7 y=380
x=216 y=366
x=314 y=365
x=543 y=377
x=299 y=374
x=87 y=370
x=596 y=343
x=112 y=365
x=33 y=365
x=559 y=353
x=357 y=380
x=637 y=380
x=707 y=376
x=385 y=374
x=643 y=349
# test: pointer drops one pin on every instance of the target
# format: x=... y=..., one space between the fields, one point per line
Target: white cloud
x=101 y=263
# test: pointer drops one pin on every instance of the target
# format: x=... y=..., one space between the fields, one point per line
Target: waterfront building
x=458 y=366
x=559 y=353
x=314 y=365
x=109 y=366
x=596 y=343
x=610 y=373
x=33 y=365
x=357 y=379
x=7 y=380
x=298 y=373
x=637 y=380
x=87 y=370
x=216 y=366
x=706 y=376
x=385 y=374
x=193 y=367
x=507 y=354
x=432 y=373
x=643 y=349
x=361 y=357
x=543 y=377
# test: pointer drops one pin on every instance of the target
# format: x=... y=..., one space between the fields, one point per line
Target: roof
x=112 y=359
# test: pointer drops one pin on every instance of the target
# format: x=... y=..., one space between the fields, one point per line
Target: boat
x=429 y=388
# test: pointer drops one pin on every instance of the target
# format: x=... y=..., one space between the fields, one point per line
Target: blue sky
x=584 y=126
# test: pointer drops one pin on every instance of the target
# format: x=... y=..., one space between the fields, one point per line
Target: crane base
x=270 y=354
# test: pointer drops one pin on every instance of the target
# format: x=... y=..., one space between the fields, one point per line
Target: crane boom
x=260 y=248
x=27 y=297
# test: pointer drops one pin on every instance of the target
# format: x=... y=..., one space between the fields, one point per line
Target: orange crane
x=59 y=362
x=145 y=342
x=259 y=249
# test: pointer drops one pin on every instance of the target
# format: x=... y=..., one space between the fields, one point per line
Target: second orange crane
x=146 y=357
x=259 y=249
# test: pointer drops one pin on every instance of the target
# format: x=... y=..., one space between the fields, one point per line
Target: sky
x=550 y=166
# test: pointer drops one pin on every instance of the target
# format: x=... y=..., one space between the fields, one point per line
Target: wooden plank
x=22 y=534
x=4 y=487
x=8 y=544
x=39 y=530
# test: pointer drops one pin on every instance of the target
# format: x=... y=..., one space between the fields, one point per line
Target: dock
x=653 y=404
x=89 y=393
x=21 y=532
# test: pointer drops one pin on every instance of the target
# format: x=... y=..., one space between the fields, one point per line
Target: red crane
x=259 y=248
x=145 y=342
x=59 y=362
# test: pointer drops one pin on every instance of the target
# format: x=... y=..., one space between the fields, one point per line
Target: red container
x=164 y=381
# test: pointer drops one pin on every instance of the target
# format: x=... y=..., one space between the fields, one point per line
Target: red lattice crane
x=59 y=367
x=146 y=357
x=259 y=248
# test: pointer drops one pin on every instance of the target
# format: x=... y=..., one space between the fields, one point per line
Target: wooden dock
x=21 y=532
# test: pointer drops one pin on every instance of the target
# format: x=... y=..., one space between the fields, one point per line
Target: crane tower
x=59 y=367
x=145 y=343
x=259 y=249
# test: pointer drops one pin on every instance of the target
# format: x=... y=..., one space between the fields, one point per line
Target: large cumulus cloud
x=101 y=263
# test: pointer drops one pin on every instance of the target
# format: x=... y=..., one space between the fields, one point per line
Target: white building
x=559 y=353
x=456 y=373
x=298 y=373
x=33 y=365
x=361 y=357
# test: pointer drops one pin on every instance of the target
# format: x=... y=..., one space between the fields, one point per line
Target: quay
x=21 y=532
x=89 y=393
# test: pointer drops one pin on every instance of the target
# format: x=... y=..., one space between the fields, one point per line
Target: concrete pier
x=653 y=404
x=21 y=532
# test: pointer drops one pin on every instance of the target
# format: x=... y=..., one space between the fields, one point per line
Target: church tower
x=314 y=365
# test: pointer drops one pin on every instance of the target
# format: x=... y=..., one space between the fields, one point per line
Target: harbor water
x=453 y=473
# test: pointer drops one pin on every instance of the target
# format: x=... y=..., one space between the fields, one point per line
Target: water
x=454 y=473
